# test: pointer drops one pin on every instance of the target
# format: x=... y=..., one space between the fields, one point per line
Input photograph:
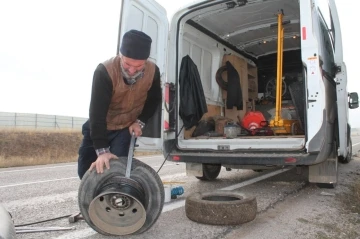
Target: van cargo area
x=234 y=47
x=254 y=84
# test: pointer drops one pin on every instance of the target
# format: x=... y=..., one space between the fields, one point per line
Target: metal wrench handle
x=130 y=155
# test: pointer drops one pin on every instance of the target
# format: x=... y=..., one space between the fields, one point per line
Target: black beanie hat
x=136 y=45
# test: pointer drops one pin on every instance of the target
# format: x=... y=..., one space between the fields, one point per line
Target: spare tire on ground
x=220 y=208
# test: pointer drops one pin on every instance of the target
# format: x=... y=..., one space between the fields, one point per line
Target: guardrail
x=39 y=121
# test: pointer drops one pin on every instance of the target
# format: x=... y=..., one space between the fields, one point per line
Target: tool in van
x=278 y=124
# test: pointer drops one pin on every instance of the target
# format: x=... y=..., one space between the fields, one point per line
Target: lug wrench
x=130 y=156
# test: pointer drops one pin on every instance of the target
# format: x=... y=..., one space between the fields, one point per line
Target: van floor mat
x=298 y=98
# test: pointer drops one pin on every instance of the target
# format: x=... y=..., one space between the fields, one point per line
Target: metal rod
x=281 y=67
x=279 y=70
x=130 y=156
x=41 y=229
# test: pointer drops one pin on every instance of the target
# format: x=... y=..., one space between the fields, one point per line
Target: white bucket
x=167 y=190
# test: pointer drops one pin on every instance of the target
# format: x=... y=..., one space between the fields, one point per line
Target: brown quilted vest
x=127 y=101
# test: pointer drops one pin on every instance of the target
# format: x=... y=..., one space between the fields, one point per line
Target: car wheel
x=141 y=173
x=210 y=172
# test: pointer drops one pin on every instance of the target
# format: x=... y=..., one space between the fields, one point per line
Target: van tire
x=348 y=158
x=210 y=172
x=220 y=208
x=140 y=172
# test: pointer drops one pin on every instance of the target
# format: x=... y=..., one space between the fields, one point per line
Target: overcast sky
x=50 y=48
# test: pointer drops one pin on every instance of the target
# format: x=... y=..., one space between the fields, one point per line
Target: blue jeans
x=119 y=141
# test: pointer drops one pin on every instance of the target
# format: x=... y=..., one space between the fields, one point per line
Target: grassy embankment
x=23 y=147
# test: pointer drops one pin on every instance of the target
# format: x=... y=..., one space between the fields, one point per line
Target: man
x=125 y=93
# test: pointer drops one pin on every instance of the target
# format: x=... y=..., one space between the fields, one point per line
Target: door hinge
x=336 y=69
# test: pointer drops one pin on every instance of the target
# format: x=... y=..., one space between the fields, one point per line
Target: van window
x=323 y=8
x=203 y=60
x=149 y=26
x=326 y=40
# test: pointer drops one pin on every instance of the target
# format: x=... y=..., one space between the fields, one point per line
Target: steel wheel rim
x=119 y=207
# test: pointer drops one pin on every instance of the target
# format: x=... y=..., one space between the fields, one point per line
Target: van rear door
x=150 y=17
x=341 y=81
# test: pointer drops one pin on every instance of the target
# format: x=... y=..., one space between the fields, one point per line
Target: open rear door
x=150 y=17
x=341 y=81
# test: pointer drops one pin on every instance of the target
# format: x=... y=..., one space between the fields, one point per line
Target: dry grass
x=24 y=147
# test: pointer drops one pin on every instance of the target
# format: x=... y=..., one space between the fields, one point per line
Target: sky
x=50 y=49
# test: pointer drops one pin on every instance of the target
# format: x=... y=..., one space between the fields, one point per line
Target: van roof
x=250 y=26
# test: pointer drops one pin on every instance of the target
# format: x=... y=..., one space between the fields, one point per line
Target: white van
x=245 y=34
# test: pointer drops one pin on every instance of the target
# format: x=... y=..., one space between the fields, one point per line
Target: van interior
x=243 y=35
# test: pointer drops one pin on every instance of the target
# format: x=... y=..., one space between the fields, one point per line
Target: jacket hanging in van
x=234 y=94
x=192 y=99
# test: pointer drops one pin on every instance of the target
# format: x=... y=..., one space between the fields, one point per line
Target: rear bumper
x=268 y=158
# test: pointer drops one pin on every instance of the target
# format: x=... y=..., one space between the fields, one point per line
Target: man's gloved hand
x=136 y=128
x=101 y=160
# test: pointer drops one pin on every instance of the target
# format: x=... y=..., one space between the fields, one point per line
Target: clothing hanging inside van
x=234 y=93
x=192 y=99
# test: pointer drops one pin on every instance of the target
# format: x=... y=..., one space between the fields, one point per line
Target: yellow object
x=279 y=125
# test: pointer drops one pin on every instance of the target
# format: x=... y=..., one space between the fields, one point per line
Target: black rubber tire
x=327 y=185
x=140 y=172
x=349 y=156
x=7 y=228
x=222 y=84
x=258 y=170
x=220 y=208
x=272 y=92
x=210 y=172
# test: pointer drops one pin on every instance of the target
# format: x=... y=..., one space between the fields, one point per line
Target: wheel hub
x=119 y=208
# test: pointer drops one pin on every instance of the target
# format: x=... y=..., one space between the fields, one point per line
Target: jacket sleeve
x=101 y=94
x=154 y=97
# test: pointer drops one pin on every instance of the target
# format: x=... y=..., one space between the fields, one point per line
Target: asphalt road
x=33 y=194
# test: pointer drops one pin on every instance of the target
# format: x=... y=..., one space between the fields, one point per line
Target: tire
x=210 y=172
x=349 y=155
x=222 y=84
x=220 y=208
x=258 y=170
x=270 y=88
x=140 y=172
x=7 y=228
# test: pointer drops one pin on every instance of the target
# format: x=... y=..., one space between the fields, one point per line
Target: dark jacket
x=234 y=94
x=192 y=99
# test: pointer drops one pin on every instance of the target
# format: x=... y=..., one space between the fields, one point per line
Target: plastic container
x=167 y=191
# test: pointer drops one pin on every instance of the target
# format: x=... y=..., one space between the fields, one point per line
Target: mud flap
x=325 y=173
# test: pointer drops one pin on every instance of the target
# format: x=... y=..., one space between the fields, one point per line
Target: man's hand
x=101 y=160
x=135 y=127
